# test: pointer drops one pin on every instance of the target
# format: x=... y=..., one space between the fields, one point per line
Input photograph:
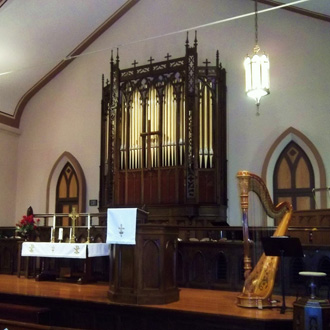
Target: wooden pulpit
x=145 y=273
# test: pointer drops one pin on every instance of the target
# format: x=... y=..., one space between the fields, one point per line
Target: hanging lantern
x=257 y=76
x=256 y=71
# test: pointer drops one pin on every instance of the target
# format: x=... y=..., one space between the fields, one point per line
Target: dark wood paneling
x=170 y=186
x=142 y=266
x=8 y=255
x=151 y=187
x=207 y=186
x=134 y=188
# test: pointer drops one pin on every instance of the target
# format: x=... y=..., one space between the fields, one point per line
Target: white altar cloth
x=65 y=250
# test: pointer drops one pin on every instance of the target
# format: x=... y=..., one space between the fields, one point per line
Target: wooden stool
x=311 y=312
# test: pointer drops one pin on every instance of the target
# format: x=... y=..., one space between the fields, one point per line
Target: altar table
x=85 y=251
x=65 y=250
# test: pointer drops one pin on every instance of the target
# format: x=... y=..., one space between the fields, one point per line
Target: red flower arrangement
x=27 y=225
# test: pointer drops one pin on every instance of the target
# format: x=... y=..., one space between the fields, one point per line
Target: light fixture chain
x=256 y=20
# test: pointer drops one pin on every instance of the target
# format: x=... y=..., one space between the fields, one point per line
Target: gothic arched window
x=67 y=192
x=294 y=178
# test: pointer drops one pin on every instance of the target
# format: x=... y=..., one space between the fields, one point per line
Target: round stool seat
x=315 y=274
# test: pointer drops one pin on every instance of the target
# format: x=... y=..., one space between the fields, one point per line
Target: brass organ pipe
x=127 y=134
x=133 y=125
x=173 y=130
x=131 y=145
x=124 y=129
x=162 y=123
x=153 y=115
x=164 y=127
x=211 y=128
x=168 y=131
x=157 y=112
x=137 y=134
x=135 y=119
x=200 y=133
x=183 y=122
x=180 y=131
x=152 y=126
x=107 y=143
x=122 y=135
x=148 y=130
x=202 y=127
x=136 y=123
x=138 y=130
x=151 y=129
x=205 y=126
x=131 y=128
x=153 y=143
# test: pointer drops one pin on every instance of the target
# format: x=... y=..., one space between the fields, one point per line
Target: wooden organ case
x=163 y=138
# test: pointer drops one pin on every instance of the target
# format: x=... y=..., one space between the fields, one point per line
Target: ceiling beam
x=297 y=10
x=14 y=120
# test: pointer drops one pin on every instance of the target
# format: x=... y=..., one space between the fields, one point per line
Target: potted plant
x=27 y=227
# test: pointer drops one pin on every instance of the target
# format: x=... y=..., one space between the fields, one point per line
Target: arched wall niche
x=53 y=178
x=292 y=134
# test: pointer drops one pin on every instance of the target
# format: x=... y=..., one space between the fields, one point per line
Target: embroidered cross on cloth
x=121 y=226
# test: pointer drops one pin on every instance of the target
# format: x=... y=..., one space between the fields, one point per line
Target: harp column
x=244 y=181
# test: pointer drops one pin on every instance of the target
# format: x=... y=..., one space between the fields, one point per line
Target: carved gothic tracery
x=164 y=133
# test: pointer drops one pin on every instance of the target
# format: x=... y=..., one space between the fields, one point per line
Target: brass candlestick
x=88 y=236
x=53 y=235
x=73 y=215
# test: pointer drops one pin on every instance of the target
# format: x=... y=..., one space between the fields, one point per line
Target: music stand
x=282 y=246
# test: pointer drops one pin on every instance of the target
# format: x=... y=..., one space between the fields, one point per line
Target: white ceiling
x=37 y=35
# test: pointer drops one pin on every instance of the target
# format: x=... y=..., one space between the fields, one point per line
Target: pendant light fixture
x=256 y=69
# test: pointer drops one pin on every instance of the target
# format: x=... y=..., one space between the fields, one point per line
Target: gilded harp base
x=254 y=302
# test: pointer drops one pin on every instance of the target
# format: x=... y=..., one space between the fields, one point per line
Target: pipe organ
x=163 y=135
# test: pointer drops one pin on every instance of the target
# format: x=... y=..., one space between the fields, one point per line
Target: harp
x=259 y=281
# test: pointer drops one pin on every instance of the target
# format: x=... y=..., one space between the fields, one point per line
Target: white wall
x=65 y=114
x=8 y=173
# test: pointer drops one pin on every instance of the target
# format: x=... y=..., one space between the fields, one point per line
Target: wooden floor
x=208 y=302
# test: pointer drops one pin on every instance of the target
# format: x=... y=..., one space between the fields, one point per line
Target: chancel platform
x=88 y=307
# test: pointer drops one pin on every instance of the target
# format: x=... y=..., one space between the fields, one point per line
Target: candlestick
x=52 y=235
x=88 y=228
x=73 y=215
x=60 y=234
